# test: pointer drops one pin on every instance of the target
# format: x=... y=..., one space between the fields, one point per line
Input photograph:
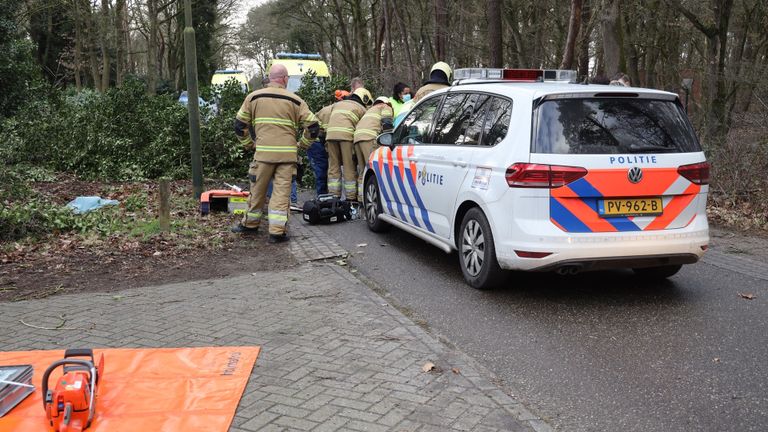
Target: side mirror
x=385 y=139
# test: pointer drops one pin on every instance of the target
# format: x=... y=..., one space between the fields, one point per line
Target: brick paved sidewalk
x=335 y=355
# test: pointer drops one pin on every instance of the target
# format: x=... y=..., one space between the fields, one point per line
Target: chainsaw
x=71 y=405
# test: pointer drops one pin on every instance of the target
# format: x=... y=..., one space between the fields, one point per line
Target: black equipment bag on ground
x=326 y=209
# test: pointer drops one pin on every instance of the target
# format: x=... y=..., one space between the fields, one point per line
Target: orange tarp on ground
x=164 y=389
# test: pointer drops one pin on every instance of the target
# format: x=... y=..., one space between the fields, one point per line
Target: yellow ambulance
x=298 y=64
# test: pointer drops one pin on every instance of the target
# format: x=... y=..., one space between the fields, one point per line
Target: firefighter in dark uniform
x=273 y=115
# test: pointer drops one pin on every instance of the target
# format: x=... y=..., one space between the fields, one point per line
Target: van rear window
x=611 y=126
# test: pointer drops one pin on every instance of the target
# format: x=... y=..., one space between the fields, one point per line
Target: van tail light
x=528 y=175
x=697 y=173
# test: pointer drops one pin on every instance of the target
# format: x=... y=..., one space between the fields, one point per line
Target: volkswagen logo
x=635 y=174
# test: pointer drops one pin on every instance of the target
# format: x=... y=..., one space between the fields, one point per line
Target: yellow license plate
x=630 y=207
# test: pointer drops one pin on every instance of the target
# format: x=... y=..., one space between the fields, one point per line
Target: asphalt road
x=592 y=352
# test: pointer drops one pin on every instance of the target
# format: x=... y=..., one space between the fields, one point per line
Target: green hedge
x=122 y=134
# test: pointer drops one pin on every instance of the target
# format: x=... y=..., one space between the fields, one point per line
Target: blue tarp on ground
x=84 y=204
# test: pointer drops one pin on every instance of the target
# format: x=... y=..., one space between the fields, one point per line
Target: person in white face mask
x=401 y=94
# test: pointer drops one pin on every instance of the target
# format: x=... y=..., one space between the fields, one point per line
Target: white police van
x=522 y=170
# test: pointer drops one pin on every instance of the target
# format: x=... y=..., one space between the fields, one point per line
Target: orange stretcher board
x=163 y=389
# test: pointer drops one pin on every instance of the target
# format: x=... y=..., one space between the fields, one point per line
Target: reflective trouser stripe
x=334 y=167
x=334 y=186
x=261 y=173
x=349 y=173
x=350 y=187
x=252 y=218
x=276 y=217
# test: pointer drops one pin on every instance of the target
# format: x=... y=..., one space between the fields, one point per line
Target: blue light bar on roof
x=298 y=56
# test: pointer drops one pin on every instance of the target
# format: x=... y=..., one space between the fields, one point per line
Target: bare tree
x=611 y=37
x=574 y=25
x=121 y=45
x=495 y=42
x=441 y=28
x=106 y=31
x=152 y=67
x=715 y=30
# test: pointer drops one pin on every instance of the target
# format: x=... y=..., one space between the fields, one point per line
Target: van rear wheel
x=477 y=252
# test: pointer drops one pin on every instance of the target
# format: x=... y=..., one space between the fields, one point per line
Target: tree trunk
x=78 y=46
x=586 y=17
x=441 y=25
x=105 y=37
x=348 y=53
x=152 y=48
x=121 y=24
x=716 y=34
x=91 y=37
x=364 y=50
x=388 y=26
x=496 y=47
x=611 y=39
x=630 y=47
x=404 y=33
x=574 y=25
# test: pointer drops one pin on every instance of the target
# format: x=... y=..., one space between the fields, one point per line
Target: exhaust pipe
x=568 y=270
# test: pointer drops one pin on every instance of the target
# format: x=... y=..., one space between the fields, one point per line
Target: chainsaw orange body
x=71 y=404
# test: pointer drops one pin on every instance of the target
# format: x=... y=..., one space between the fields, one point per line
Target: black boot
x=274 y=238
x=242 y=229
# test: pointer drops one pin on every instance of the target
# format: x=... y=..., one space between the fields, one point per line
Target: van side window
x=497 y=121
x=416 y=128
x=453 y=118
x=474 y=132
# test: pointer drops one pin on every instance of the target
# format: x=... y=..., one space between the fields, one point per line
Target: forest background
x=89 y=88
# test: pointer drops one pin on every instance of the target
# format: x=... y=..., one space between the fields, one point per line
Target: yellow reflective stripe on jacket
x=276 y=149
x=341 y=129
x=305 y=141
x=244 y=116
x=372 y=132
x=246 y=140
x=311 y=118
x=374 y=115
x=352 y=116
x=275 y=121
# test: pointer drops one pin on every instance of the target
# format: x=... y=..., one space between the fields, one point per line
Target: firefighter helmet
x=364 y=95
x=444 y=68
x=382 y=99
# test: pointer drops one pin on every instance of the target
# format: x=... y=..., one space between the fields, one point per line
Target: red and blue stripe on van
x=574 y=207
x=397 y=185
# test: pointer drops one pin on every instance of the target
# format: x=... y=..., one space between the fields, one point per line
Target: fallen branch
x=58 y=327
